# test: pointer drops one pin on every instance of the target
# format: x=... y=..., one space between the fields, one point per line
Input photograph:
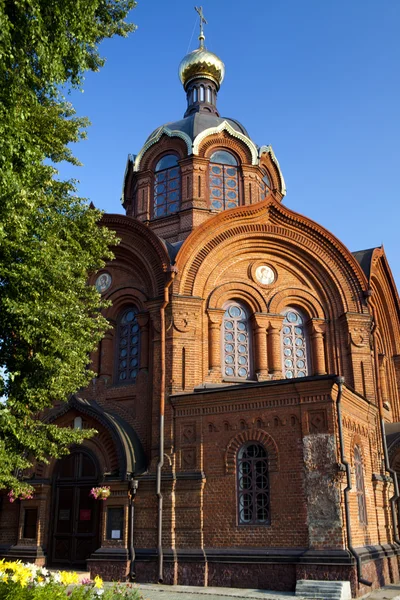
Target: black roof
x=198 y=122
x=364 y=258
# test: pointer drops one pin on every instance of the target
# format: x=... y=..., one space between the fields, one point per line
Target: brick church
x=247 y=396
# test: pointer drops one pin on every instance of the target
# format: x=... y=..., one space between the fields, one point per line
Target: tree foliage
x=50 y=239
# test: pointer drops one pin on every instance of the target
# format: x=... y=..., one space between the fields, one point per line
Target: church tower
x=189 y=170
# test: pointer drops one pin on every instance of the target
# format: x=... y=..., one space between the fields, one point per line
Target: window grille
x=236 y=350
x=128 y=347
x=223 y=180
x=253 y=485
x=167 y=186
x=294 y=342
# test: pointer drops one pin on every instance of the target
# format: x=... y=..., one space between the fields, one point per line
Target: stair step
x=327 y=590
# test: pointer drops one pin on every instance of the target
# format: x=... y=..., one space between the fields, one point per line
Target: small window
x=209 y=95
x=359 y=472
x=115 y=523
x=128 y=347
x=235 y=342
x=253 y=485
x=201 y=93
x=294 y=345
x=167 y=186
x=223 y=180
x=30 y=523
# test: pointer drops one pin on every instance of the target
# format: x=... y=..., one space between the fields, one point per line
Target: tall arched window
x=128 y=341
x=253 y=485
x=223 y=180
x=167 y=186
x=236 y=342
x=359 y=472
x=294 y=342
x=265 y=185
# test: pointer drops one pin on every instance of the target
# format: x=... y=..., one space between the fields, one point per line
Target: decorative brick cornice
x=244 y=291
x=269 y=150
x=156 y=137
x=251 y=435
x=141 y=241
x=385 y=300
x=225 y=126
x=274 y=222
x=306 y=299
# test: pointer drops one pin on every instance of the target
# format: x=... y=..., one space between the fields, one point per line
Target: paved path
x=183 y=592
x=389 y=592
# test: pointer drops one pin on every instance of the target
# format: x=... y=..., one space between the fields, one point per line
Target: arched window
x=167 y=186
x=223 y=180
x=359 y=472
x=128 y=340
x=265 y=185
x=294 y=342
x=253 y=485
x=236 y=342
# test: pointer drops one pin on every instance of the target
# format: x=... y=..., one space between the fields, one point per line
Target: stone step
x=324 y=590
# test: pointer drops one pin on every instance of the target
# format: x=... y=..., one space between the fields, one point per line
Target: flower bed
x=20 y=581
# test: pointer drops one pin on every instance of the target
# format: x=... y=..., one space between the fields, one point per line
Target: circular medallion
x=265 y=274
x=103 y=282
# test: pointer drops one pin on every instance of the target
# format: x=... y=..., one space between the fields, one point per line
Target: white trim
x=268 y=150
x=225 y=126
x=154 y=139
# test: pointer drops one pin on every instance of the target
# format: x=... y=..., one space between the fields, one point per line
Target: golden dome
x=201 y=63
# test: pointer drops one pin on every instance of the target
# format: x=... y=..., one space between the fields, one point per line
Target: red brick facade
x=179 y=272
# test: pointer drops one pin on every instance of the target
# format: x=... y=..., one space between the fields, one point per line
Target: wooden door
x=76 y=522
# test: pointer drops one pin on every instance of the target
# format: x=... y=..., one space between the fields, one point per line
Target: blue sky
x=316 y=79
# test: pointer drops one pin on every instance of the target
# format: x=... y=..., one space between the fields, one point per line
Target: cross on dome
x=199 y=10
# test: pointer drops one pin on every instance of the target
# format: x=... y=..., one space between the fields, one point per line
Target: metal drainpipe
x=340 y=382
x=133 y=486
x=160 y=463
x=394 y=499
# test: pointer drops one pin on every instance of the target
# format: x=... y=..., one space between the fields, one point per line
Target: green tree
x=50 y=239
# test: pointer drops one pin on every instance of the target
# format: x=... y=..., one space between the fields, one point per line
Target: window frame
x=236 y=342
x=167 y=179
x=265 y=188
x=109 y=529
x=306 y=345
x=28 y=511
x=117 y=346
x=241 y=492
x=224 y=200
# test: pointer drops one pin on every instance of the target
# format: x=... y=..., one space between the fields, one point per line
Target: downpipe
x=133 y=486
x=160 y=463
x=340 y=382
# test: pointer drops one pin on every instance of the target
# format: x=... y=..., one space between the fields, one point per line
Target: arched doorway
x=76 y=514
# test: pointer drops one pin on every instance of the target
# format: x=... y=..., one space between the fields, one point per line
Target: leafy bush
x=20 y=581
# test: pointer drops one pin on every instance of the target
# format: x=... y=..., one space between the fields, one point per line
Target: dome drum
x=201 y=94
